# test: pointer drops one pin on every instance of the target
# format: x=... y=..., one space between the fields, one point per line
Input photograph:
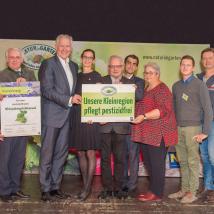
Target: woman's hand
x=138 y=119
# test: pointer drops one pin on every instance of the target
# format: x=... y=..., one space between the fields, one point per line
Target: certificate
x=20 y=109
x=108 y=102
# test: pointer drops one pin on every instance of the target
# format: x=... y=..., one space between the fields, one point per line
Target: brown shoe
x=203 y=194
x=177 y=195
x=210 y=196
x=188 y=198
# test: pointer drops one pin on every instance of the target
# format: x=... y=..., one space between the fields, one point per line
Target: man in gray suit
x=12 y=149
x=58 y=79
x=113 y=139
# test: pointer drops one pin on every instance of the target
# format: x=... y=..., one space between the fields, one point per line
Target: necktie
x=19 y=73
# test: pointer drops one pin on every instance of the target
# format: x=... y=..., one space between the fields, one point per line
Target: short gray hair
x=154 y=65
x=115 y=57
x=60 y=36
x=14 y=49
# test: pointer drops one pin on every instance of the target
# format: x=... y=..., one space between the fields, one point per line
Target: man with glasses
x=12 y=149
x=133 y=149
x=113 y=136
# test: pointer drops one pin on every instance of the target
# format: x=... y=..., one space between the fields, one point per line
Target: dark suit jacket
x=55 y=91
x=119 y=128
x=140 y=83
x=8 y=75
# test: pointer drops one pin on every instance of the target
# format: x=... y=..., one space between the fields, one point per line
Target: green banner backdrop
x=167 y=56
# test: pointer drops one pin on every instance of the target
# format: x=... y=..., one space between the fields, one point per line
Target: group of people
x=183 y=118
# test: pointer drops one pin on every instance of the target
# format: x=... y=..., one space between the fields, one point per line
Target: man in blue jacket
x=207 y=147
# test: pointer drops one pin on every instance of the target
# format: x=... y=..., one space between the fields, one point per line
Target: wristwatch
x=144 y=117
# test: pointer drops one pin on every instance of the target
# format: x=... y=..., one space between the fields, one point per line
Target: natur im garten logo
x=35 y=54
x=108 y=90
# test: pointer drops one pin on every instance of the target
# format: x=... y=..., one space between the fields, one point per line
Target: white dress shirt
x=66 y=67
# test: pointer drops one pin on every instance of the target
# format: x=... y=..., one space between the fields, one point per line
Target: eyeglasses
x=88 y=57
x=115 y=66
x=14 y=57
x=149 y=73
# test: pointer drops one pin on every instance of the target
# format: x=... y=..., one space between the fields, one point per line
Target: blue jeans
x=207 y=155
x=131 y=163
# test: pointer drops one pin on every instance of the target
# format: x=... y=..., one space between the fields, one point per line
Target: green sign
x=107 y=102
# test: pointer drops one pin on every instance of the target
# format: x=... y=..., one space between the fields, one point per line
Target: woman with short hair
x=154 y=127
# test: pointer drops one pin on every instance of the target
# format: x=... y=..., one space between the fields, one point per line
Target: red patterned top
x=152 y=131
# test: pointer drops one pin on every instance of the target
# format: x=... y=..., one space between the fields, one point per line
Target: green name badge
x=185 y=97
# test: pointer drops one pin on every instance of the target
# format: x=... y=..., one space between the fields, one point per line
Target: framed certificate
x=20 y=109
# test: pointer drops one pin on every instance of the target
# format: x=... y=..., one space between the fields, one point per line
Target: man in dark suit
x=58 y=79
x=113 y=139
x=133 y=148
x=12 y=149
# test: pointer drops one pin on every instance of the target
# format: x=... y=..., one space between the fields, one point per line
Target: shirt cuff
x=70 y=102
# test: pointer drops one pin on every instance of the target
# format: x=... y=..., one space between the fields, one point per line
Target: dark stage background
x=166 y=21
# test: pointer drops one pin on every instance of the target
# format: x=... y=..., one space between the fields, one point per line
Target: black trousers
x=154 y=160
x=113 y=143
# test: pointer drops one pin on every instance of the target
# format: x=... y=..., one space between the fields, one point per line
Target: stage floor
x=72 y=185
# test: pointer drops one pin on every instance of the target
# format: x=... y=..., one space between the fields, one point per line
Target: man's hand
x=21 y=79
x=1 y=136
x=200 y=137
x=138 y=119
x=89 y=122
x=135 y=86
x=76 y=99
x=103 y=123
